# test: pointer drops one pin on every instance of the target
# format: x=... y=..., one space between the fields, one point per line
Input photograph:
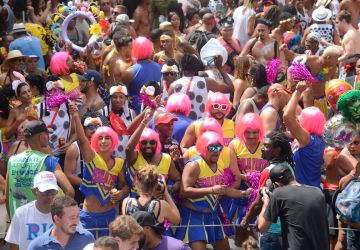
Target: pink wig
x=58 y=64
x=107 y=131
x=210 y=124
x=217 y=97
x=207 y=139
x=312 y=120
x=149 y=134
x=142 y=49
x=249 y=121
x=178 y=103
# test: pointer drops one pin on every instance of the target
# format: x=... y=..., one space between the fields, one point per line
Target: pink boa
x=55 y=98
x=273 y=67
x=300 y=73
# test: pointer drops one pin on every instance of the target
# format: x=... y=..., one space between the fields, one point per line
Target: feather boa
x=55 y=98
x=272 y=69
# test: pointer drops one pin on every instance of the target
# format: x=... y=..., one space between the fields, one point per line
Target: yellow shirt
x=228 y=129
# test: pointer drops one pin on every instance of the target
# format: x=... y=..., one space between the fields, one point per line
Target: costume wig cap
x=211 y=124
x=219 y=98
x=206 y=139
x=58 y=65
x=178 y=103
x=334 y=89
x=107 y=131
x=142 y=49
x=149 y=134
x=249 y=121
x=349 y=105
x=312 y=120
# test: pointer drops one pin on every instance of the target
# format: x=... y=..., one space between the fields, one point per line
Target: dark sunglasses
x=169 y=74
x=92 y=127
x=146 y=142
x=213 y=148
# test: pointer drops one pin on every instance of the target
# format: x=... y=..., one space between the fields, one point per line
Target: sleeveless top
x=72 y=89
x=162 y=168
x=224 y=155
x=278 y=121
x=247 y=161
x=133 y=205
x=197 y=92
x=207 y=178
x=228 y=129
x=326 y=31
x=98 y=180
x=241 y=18
x=251 y=101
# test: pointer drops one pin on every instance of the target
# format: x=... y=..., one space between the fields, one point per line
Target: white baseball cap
x=45 y=181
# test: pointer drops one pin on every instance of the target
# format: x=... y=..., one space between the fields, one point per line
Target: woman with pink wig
x=218 y=107
x=308 y=147
x=179 y=105
x=247 y=150
x=143 y=148
x=143 y=71
x=61 y=64
x=203 y=181
x=102 y=174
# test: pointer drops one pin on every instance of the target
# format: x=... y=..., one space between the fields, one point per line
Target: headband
x=210 y=21
x=166 y=68
x=57 y=84
x=15 y=84
x=287 y=20
x=92 y=121
x=118 y=89
x=165 y=37
x=149 y=90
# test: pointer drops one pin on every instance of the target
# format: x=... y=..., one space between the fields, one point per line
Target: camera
x=265 y=191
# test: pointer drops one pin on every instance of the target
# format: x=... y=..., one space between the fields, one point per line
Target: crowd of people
x=180 y=124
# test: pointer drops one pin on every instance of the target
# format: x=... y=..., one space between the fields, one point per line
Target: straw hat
x=12 y=55
x=18 y=27
x=321 y=14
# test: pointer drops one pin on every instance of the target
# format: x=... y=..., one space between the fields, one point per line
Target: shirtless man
x=143 y=17
x=118 y=60
x=287 y=22
x=354 y=8
x=167 y=44
x=351 y=36
x=323 y=68
x=263 y=48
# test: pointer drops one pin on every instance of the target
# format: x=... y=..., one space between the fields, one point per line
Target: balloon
x=339 y=132
x=334 y=89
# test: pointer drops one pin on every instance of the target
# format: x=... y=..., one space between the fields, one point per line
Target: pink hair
x=207 y=139
x=178 y=103
x=58 y=64
x=217 y=97
x=107 y=131
x=149 y=134
x=312 y=120
x=249 y=121
x=211 y=124
x=142 y=49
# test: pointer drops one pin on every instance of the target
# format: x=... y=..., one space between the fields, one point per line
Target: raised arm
x=300 y=134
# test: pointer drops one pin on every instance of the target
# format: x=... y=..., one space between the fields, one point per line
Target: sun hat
x=18 y=27
x=321 y=14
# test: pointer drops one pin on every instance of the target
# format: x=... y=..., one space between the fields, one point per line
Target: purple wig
x=149 y=134
x=58 y=65
x=249 y=121
x=207 y=139
x=107 y=131
x=312 y=120
x=142 y=49
x=178 y=103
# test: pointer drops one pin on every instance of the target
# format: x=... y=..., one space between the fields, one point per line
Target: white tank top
x=241 y=18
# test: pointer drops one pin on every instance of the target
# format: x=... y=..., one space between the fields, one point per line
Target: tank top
x=324 y=30
x=98 y=179
x=224 y=155
x=195 y=87
x=255 y=108
x=241 y=18
x=278 y=121
x=72 y=89
x=228 y=129
x=247 y=161
x=133 y=205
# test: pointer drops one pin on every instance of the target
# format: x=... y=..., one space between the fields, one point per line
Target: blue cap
x=91 y=75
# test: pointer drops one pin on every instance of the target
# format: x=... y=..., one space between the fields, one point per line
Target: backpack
x=348 y=203
x=199 y=38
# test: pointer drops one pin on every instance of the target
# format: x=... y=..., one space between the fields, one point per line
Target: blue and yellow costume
x=204 y=210
x=247 y=162
x=228 y=129
x=162 y=168
x=98 y=180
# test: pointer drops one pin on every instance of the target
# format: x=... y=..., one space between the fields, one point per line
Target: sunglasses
x=115 y=13
x=169 y=74
x=92 y=126
x=220 y=106
x=215 y=148
x=146 y=142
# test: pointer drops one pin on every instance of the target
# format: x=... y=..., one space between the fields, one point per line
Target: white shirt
x=241 y=18
x=27 y=224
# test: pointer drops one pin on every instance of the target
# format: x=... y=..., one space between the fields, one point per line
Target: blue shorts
x=97 y=223
x=200 y=233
